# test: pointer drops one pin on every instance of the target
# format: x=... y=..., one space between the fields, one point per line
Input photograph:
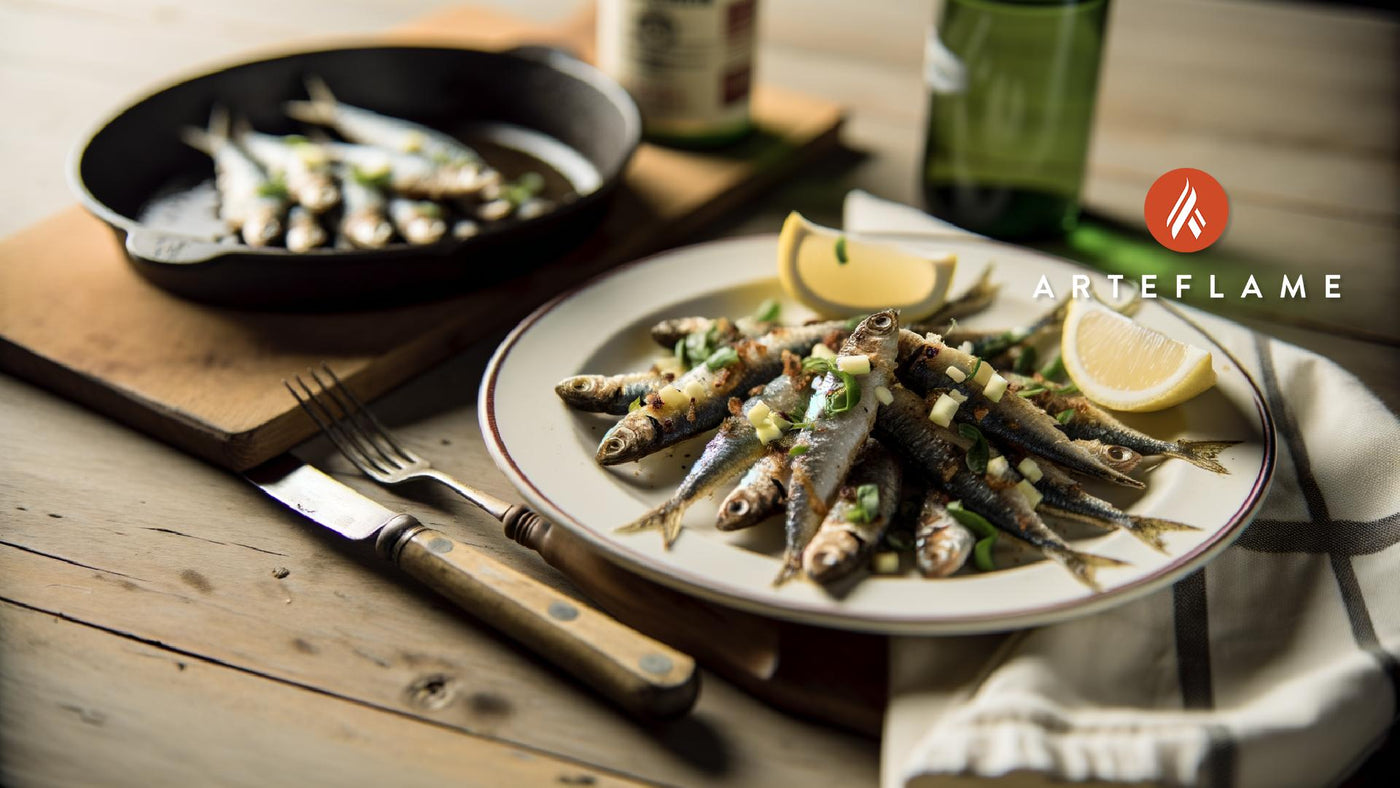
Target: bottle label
x=688 y=63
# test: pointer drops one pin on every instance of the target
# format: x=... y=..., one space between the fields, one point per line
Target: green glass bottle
x=1012 y=86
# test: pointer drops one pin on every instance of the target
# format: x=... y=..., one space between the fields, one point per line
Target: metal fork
x=369 y=446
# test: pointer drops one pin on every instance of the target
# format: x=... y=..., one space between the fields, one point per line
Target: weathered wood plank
x=87 y=707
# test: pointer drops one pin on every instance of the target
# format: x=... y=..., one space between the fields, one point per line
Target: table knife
x=643 y=676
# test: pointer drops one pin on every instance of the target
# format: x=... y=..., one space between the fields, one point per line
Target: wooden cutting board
x=75 y=318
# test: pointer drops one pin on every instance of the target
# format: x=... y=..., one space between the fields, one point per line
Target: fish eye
x=581 y=384
x=738 y=507
x=1118 y=452
x=614 y=446
x=881 y=322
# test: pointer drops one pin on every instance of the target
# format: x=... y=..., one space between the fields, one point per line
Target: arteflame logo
x=1186 y=210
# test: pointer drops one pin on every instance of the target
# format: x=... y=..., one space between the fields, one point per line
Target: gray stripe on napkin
x=1363 y=630
x=1191 y=618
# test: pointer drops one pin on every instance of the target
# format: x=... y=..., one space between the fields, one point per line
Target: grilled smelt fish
x=672 y=330
x=365 y=223
x=976 y=299
x=420 y=222
x=849 y=532
x=1012 y=420
x=404 y=173
x=301 y=163
x=304 y=230
x=761 y=492
x=1090 y=422
x=250 y=201
x=942 y=545
x=701 y=401
x=611 y=394
x=462 y=170
x=733 y=449
x=1064 y=497
x=904 y=424
x=1119 y=458
x=827 y=447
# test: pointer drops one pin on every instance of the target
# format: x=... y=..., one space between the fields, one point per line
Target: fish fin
x=665 y=518
x=791 y=568
x=1202 y=454
x=208 y=139
x=241 y=127
x=320 y=109
x=1082 y=565
x=1150 y=530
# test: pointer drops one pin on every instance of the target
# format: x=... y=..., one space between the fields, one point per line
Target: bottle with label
x=1012 y=85
x=688 y=64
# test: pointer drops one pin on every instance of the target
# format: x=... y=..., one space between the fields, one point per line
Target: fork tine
x=351 y=419
x=330 y=426
x=378 y=427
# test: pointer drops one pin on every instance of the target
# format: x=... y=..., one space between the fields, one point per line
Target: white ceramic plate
x=547 y=451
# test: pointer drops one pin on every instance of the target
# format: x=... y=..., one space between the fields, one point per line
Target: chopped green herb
x=979 y=453
x=1067 y=389
x=523 y=188
x=768 y=311
x=680 y=351
x=1054 y=369
x=1025 y=363
x=799 y=450
x=722 y=358
x=274 y=187
x=899 y=540
x=1065 y=416
x=1031 y=390
x=800 y=425
x=867 y=505
x=975 y=367
x=845 y=397
x=841 y=256
x=986 y=535
x=697 y=347
x=296 y=139
x=375 y=179
x=430 y=209
x=818 y=365
x=635 y=404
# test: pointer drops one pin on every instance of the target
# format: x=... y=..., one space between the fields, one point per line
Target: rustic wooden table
x=162 y=623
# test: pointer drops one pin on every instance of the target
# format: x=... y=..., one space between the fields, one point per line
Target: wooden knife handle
x=643 y=676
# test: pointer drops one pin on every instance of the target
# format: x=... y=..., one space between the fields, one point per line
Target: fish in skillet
x=251 y=202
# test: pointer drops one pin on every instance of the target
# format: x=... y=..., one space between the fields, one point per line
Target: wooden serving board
x=75 y=318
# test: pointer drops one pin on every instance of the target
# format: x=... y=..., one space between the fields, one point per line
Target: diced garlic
x=956 y=374
x=767 y=433
x=779 y=422
x=886 y=563
x=995 y=387
x=997 y=466
x=855 y=365
x=943 y=410
x=883 y=395
x=695 y=389
x=957 y=396
x=670 y=364
x=984 y=374
x=934 y=338
x=1030 y=470
x=759 y=414
x=822 y=351
x=1029 y=492
x=673 y=397
x=966 y=347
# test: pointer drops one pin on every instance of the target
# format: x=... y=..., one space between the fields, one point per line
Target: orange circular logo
x=1186 y=210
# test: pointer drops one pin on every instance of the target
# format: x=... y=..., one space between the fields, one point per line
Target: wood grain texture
x=76 y=318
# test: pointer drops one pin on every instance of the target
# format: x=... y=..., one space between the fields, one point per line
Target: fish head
x=318 y=193
x=629 y=439
x=736 y=510
x=830 y=555
x=581 y=389
x=262 y=227
x=368 y=230
x=877 y=336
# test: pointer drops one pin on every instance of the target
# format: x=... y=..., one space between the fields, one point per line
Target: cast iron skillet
x=137 y=155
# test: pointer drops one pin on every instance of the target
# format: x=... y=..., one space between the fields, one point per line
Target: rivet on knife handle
x=642 y=675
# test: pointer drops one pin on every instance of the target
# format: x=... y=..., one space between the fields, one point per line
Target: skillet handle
x=161 y=247
x=544 y=53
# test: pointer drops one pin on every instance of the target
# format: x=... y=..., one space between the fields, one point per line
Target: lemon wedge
x=837 y=276
x=1124 y=366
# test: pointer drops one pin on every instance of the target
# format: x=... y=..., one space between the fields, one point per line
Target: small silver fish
x=250 y=201
x=849 y=532
x=1119 y=458
x=304 y=230
x=611 y=394
x=365 y=224
x=301 y=163
x=942 y=545
x=760 y=494
x=672 y=330
x=735 y=447
x=656 y=424
x=418 y=221
x=1064 y=497
x=827 y=447
x=404 y=173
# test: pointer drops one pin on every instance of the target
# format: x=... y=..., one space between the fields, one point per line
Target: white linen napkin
x=1276 y=665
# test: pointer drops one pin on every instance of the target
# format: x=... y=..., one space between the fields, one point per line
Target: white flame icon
x=1185 y=212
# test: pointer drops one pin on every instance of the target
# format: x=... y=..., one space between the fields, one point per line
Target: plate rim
x=705 y=587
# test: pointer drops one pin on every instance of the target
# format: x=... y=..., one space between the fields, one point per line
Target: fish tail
x=665 y=518
x=792 y=566
x=320 y=109
x=1150 y=530
x=208 y=139
x=1202 y=454
x=1081 y=565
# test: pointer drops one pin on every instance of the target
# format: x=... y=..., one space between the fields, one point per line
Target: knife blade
x=644 y=676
